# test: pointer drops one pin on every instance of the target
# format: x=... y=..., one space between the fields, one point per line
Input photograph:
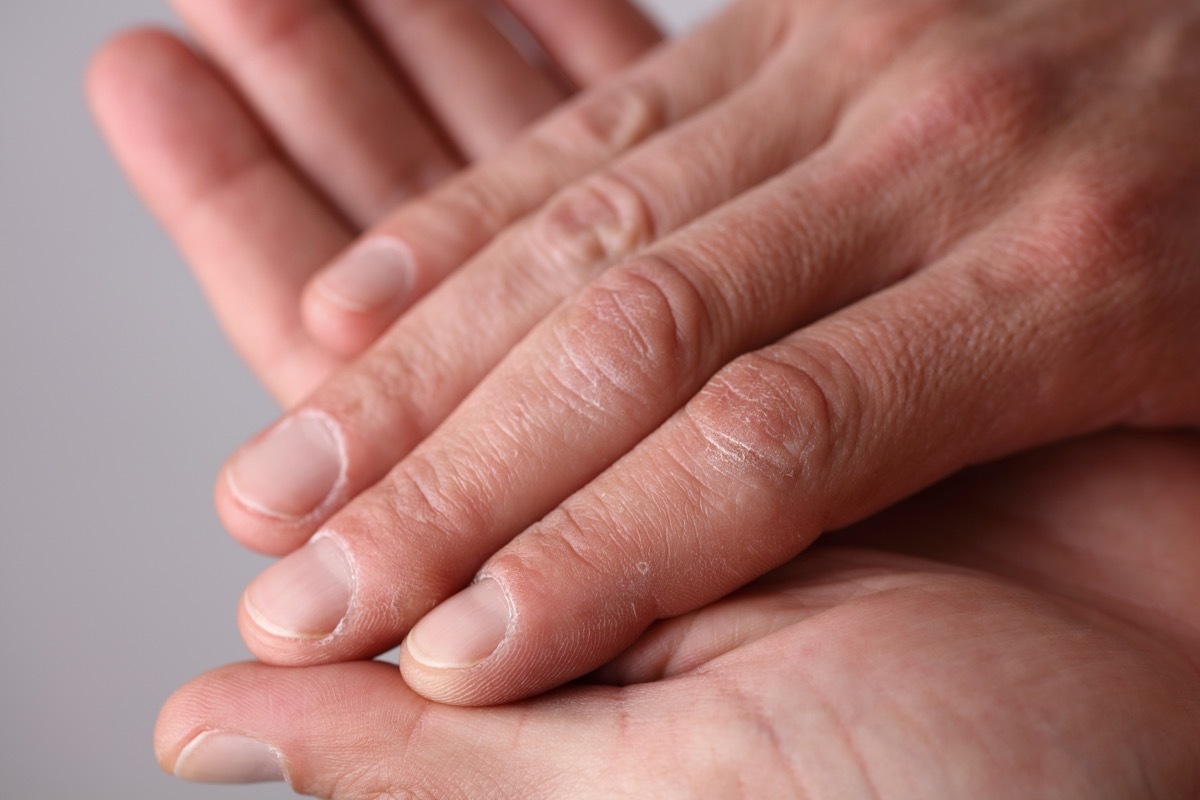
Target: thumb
x=355 y=730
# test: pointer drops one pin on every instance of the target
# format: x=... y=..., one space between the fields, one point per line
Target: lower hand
x=1026 y=630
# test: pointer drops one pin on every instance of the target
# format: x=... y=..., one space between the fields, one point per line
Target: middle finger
x=601 y=373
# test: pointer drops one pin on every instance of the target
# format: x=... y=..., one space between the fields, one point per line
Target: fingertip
x=125 y=59
x=184 y=714
x=172 y=732
x=350 y=303
x=448 y=656
x=337 y=328
x=510 y=638
x=269 y=647
x=306 y=598
x=127 y=49
x=252 y=529
x=276 y=489
x=450 y=687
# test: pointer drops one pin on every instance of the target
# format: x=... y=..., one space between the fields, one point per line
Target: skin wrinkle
x=451 y=513
x=965 y=367
x=640 y=311
x=784 y=419
x=917 y=727
x=614 y=119
x=594 y=396
x=840 y=730
x=562 y=533
x=598 y=222
x=473 y=195
x=383 y=383
x=755 y=715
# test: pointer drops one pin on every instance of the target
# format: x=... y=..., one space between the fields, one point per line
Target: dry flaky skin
x=1027 y=630
x=774 y=277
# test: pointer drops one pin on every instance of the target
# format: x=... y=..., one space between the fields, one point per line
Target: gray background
x=118 y=401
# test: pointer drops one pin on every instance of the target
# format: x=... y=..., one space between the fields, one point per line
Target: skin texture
x=303 y=120
x=952 y=231
x=1025 y=630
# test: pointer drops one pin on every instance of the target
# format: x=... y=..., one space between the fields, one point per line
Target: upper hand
x=806 y=261
x=301 y=122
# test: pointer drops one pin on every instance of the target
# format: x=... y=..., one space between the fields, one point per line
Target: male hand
x=301 y=122
x=1026 y=630
x=780 y=274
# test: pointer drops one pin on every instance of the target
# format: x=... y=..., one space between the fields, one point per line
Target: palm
x=1011 y=634
x=901 y=679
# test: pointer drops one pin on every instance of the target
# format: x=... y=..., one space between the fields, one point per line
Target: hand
x=1027 y=630
x=313 y=119
x=808 y=260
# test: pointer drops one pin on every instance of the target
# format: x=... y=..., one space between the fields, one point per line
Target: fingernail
x=374 y=274
x=464 y=630
x=291 y=471
x=306 y=595
x=217 y=757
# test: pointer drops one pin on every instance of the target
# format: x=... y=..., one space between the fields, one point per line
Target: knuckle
x=474 y=201
x=635 y=335
x=986 y=104
x=433 y=507
x=596 y=222
x=565 y=539
x=592 y=547
x=1094 y=237
x=612 y=119
x=396 y=388
x=770 y=422
x=1085 y=243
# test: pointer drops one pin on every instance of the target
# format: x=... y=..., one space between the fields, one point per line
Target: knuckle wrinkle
x=597 y=222
x=616 y=118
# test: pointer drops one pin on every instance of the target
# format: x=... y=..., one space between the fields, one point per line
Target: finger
x=366 y=735
x=589 y=39
x=600 y=374
x=372 y=416
x=358 y=297
x=833 y=423
x=327 y=97
x=251 y=228
x=1054 y=519
x=479 y=86
x=491 y=471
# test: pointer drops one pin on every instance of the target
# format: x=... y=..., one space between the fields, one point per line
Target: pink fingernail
x=306 y=595
x=373 y=275
x=218 y=757
x=464 y=630
x=291 y=471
